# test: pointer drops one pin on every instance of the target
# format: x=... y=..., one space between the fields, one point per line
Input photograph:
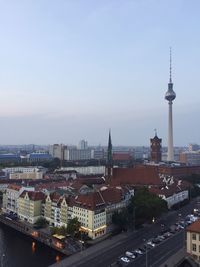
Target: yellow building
x=56 y=210
x=91 y=213
x=30 y=206
x=193 y=240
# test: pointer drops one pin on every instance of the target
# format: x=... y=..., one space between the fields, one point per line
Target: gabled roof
x=33 y=195
x=90 y=201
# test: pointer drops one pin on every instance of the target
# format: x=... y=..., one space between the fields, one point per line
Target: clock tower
x=156 y=148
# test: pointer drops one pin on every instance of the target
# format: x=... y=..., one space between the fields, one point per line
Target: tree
x=121 y=219
x=145 y=206
x=41 y=223
x=73 y=226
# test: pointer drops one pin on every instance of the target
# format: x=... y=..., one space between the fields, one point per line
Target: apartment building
x=11 y=195
x=90 y=209
x=56 y=209
x=30 y=205
x=193 y=240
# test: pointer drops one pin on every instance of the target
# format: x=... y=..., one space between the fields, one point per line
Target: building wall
x=27 y=175
x=92 y=222
x=193 y=245
x=72 y=154
x=10 y=198
x=192 y=158
x=29 y=210
x=176 y=198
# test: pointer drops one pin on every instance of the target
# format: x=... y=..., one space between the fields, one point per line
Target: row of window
x=195 y=237
x=194 y=248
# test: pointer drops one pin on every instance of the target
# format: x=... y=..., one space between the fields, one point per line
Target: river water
x=18 y=250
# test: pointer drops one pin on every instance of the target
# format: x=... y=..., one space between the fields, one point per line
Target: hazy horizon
x=72 y=70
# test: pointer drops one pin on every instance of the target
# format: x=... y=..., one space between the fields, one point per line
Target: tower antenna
x=170 y=65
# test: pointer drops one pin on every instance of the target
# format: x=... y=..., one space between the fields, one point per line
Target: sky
x=73 y=69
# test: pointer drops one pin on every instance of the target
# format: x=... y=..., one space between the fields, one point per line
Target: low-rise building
x=190 y=157
x=13 y=172
x=26 y=175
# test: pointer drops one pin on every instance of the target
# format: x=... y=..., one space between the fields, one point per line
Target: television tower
x=170 y=96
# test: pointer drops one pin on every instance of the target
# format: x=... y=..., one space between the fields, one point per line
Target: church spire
x=109 y=154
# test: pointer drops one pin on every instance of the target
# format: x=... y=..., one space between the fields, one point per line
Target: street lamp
x=146 y=251
x=134 y=218
x=2 y=256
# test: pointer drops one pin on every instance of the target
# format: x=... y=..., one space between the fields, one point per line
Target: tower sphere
x=170 y=94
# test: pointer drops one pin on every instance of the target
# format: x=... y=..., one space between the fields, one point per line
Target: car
x=167 y=234
x=156 y=240
x=142 y=250
x=130 y=255
x=125 y=259
x=161 y=237
x=150 y=243
x=138 y=251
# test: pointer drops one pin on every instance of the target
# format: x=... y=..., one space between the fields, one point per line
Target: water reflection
x=33 y=247
x=22 y=251
x=58 y=258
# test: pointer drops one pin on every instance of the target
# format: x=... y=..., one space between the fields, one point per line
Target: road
x=161 y=252
x=105 y=256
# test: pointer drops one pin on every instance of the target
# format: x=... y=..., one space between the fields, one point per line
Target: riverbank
x=61 y=246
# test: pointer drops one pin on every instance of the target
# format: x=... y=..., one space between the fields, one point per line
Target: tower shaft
x=170 y=156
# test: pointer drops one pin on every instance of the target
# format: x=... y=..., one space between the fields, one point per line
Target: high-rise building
x=83 y=144
x=170 y=96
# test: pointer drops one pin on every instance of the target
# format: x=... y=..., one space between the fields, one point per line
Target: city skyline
x=75 y=70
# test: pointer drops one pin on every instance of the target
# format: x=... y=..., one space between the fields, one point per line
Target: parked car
x=125 y=259
x=150 y=243
x=139 y=251
x=130 y=254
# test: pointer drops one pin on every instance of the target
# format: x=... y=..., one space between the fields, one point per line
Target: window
x=194 y=247
x=199 y=248
x=194 y=236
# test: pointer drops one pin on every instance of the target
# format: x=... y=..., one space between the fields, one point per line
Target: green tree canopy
x=145 y=206
x=41 y=223
x=73 y=226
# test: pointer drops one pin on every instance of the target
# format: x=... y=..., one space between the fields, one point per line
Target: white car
x=125 y=259
x=150 y=243
x=130 y=255
x=138 y=251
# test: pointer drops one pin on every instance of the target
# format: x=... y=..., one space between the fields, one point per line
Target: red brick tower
x=156 y=148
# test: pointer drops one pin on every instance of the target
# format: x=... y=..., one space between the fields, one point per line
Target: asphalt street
x=106 y=256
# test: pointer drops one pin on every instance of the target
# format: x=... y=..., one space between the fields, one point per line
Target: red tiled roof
x=139 y=175
x=90 y=201
x=169 y=190
x=14 y=187
x=112 y=195
x=194 y=227
x=55 y=196
x=121 y=156
x=33 y=195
